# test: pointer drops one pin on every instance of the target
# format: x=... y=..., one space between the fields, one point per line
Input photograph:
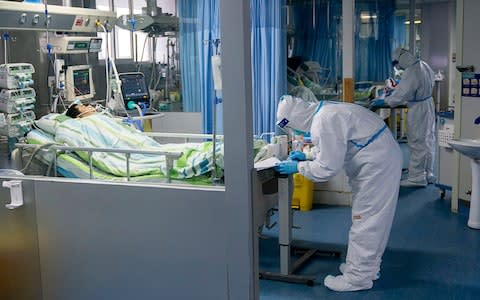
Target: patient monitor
x=79 y=83
x=134 y=89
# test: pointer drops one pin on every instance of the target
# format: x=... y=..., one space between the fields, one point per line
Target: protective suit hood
x=403 y=58
x=295 y=113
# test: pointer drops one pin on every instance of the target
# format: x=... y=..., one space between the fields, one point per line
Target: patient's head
x=80 y=111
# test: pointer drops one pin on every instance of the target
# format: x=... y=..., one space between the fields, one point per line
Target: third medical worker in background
x=415 y=90
x=348 y=136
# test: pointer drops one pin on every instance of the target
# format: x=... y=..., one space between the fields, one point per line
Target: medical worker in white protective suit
x=415 y=90
x=351 y=137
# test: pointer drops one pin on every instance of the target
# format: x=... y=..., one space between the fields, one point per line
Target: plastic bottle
x=298 y=142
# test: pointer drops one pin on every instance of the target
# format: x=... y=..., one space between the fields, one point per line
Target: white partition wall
x=104 y=241
x=19 y=257
x=237 y=114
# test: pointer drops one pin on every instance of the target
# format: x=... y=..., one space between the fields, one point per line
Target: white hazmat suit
x=352 y=137
x=415 y=90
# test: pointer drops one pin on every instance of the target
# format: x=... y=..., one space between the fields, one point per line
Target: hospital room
x=252 y=149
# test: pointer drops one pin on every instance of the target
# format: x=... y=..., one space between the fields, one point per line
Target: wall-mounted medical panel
x=26 y=16
x=470 y=84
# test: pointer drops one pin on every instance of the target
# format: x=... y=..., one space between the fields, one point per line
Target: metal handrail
x=186 y=136
x=169 y=156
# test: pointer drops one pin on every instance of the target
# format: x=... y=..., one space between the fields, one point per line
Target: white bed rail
x=169 y=156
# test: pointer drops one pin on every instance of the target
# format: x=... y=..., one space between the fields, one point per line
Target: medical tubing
x=320 y=105
x=141 y=56
x=167 y=73
x=49 y=169
x=214 y=142
x=107 y=61
x=154 y=63
x=37 y=149
x=5 y=37
x=119 y=87
x=49 y=47
x=139 y=109
x=157 y=82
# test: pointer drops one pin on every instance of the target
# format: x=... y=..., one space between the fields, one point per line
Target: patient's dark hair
x=72 y=111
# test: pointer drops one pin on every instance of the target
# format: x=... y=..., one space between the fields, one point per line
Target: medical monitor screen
x=81 y=82
x=134 y=88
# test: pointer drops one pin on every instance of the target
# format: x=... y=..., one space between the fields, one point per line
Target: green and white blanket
x=101 y=131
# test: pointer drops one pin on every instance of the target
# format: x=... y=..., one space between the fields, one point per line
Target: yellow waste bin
x=302 y=197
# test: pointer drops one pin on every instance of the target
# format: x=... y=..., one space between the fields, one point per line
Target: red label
x=79 y=22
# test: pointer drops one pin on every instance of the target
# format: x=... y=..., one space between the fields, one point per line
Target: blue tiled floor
x=431 y=254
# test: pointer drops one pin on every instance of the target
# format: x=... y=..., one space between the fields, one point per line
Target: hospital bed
x=41 y=155
x=100 y=148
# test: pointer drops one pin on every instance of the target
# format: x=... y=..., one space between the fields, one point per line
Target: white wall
x=179 y=122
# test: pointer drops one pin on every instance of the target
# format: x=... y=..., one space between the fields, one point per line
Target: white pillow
x=49 y=123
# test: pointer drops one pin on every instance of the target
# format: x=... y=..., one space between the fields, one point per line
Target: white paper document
x=266 y=164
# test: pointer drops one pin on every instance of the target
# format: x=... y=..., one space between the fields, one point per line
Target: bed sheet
x=101 y=131
x=72 y=166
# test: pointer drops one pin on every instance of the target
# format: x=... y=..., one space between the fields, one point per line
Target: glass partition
x=153 y=111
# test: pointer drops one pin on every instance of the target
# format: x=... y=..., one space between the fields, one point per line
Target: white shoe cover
x=339 y=284
x=344 y=265
x=431 y=178
x=415 y=181
x=410 y=183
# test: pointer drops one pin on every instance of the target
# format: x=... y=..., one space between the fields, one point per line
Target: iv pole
x=215 y=179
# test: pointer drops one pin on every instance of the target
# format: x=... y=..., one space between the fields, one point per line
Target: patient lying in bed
x=97 y=130
x=80 y=111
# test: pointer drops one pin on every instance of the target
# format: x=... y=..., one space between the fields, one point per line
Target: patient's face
x=85 y=110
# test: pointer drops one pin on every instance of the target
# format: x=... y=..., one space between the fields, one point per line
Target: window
x=402 y=29
x=136 y=45
x=368 y=25
x=123 y=37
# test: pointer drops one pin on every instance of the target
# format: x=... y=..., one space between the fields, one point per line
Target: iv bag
x=217 y=72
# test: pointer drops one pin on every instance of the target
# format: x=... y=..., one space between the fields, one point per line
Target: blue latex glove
x=287 y=167
x=297 y=155
x=387 y=91
x=377 y=103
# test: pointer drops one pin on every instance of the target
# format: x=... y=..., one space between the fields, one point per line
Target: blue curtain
x=189 y=56
x=317 y=37
x=316 y=34
x=199 y=22
x=199 y=28
x=269 y=61
x=373 y=39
